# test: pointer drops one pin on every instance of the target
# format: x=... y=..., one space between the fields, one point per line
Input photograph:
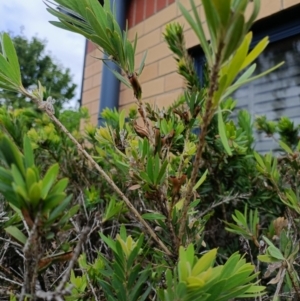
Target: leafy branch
x=12 y=77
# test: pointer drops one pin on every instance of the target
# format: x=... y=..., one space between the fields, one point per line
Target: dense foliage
x=35 y=65
x=163 y=204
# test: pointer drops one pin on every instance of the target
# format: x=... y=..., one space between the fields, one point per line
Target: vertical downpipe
x=110 y=85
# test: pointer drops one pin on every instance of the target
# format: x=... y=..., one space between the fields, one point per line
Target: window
x=278 y=93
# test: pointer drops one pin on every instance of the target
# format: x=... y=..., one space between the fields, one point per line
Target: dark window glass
x=278 y=93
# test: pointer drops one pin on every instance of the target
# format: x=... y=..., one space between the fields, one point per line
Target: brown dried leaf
x=279 y=223
x=271 y=268
x=134 y=187
x=277 y=278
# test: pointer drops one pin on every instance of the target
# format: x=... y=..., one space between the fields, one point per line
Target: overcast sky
x=66 y=47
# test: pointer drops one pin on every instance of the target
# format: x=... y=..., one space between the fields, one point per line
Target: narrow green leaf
x=222 y=133
x=16 y=234
x=200 y=181
x=198 y=29
x=153 y=216
x=110 y=242
x=142 y=65
x=10 y=52
x=132 y=257
x=256 y=9
x=10 y=154
x=53 y=200
x=234 y=293
x=234 y=36
x=238 y=84
x=239 y=278
x=5 y=175
x=70 y=213
x=145 y=177
x=259 y=160
x=275 y=252
x=49 y=179
x=130 y=57
x=135 y=292
x=285 y=147
x=60 y=186
x=267 y=258
x=161 y=175
x=73 y=23
x=241 y=218
x=150 y=169
x=135 y=41
x=59 y=209
x=28 y=153
x=156 y=168
x=238 y=59
x=17 y=177
x=121 y=119
x=99 y=12
x=99 y=30
x=35 y=195
x=121 y=78
x=7 y=71
x=230 y=265
x=255 y=52
x=213 y=22
x=204 y=262
x=145 y=148
x=134 y=271
x=223 y=10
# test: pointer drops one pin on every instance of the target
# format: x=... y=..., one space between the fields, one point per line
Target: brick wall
x=160 y=83
x=140 y=10
x=92 y=83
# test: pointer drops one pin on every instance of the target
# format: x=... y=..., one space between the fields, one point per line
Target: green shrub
x=138 y=209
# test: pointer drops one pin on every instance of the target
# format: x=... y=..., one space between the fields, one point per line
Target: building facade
x=276 y=95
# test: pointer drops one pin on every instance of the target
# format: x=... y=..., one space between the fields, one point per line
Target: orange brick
x=150 y=100
x=88 y=71
x=97 y=79
x=163 y=17
x=173 y=81
x=206 y=31
x=186 y=4
x=157 y=52
x=150 y=71
x=167 y=99
x=92 y=56
x=127 y=107
x=94 y=119
x=153 y=87
x=122 y=87
x=92 y=69
x=126 y=96
x=91 y=95
x=93 y=107
x=288 y=3
x=182 y=21
x=87 y=84
x=149 y=40
x=97 y=54
x=269 y=7
x=89 y=59
x=167 y=65
x=201 y=13
x=138 y=59
x=191 y=39
x=138 y=29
